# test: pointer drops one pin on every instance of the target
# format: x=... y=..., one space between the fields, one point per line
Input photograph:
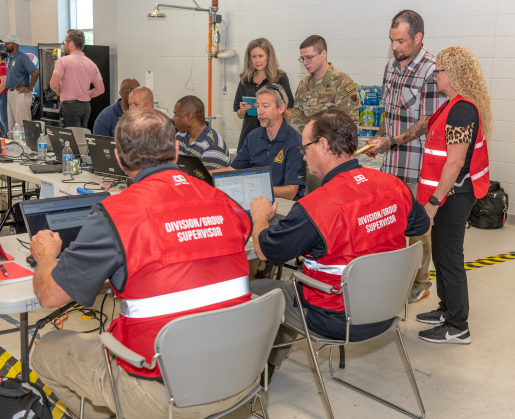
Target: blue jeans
x=4 y=125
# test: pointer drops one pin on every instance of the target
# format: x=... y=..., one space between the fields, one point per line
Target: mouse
x=30 y=260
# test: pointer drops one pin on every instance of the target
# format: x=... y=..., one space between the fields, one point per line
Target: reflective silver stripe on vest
x=478 y=175
x=185 y=300
x=479 y=145
x=435 y=152
x=428 y=182
x=328 y=269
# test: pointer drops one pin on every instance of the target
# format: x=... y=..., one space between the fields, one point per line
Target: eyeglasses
x=303 y=149
x=436 y=73
x=276 y=88
x=308 y=58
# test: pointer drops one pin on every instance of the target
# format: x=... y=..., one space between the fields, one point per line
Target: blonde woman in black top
x=260 y=68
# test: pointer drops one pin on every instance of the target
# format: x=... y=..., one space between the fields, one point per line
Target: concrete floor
x=455 y=381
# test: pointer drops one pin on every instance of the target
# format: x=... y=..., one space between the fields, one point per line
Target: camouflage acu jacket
x=335 y=89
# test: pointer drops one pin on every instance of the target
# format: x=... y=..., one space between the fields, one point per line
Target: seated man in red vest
x=356 y=212
x=166 y=236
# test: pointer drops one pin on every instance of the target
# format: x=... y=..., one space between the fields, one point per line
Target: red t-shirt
x=3 y=72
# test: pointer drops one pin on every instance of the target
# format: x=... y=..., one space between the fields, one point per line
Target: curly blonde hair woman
x=454 y=173
x=260 y=67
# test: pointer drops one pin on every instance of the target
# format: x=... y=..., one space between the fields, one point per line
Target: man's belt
x=74 y=101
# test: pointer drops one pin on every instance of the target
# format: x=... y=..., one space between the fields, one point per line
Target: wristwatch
x=434 y=201
x=393 y=143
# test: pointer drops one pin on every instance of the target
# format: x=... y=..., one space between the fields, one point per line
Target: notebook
x=58 y=136
x=16 y=273
x=103 y=159
x=194 y=167
x=250 y=101
x=33 y=129
x=245 y=185
x=65 y=214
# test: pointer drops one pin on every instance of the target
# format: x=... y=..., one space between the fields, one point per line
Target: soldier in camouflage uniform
x=324 y=88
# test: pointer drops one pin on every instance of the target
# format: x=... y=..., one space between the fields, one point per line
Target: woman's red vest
x=435 y=156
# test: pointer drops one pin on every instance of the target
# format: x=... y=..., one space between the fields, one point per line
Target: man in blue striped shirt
x=196 y=137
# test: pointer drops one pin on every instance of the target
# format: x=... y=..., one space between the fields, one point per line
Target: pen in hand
x=4 y=270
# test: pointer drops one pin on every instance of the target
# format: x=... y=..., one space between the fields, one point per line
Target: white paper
x=47 y=189
x=149 y=79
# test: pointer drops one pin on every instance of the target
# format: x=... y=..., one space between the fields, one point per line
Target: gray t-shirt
x=19 y=69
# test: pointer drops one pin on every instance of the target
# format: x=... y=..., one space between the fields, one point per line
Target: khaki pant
x=72 y=365
x=422 y=278
x=18 y=108
x=259 y=269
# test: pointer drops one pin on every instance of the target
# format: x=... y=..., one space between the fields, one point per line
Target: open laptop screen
x=245 y=185
x=64 y=215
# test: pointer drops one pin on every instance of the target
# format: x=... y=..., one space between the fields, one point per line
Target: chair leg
x=263 y=406
x=111 y=379
x=379 y=399
x=313 y=356
x=342 y=357
x=81 y=413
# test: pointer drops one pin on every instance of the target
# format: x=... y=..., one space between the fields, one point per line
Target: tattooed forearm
x=380 y=132
x=415 y=131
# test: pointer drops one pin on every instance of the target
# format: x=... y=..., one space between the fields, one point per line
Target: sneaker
x=445 y=333
x=433 y=317
x=417 y=294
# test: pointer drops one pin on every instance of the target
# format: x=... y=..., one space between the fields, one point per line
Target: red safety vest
x=184 y=246
x=435 y=156
x=358 y=213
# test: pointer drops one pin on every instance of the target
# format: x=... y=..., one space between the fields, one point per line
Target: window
x=81 y=17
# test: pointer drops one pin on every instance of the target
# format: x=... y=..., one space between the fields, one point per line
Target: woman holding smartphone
x=260 y=68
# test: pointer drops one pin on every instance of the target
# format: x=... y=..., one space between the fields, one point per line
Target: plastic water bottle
x=67 y=159
x=42 y=147
x=17 y=134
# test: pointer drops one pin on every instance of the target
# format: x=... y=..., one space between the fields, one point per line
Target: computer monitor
x=58 y=136
x=33 y=129
x=245 y=185
x=103 y=159
x=64 y=215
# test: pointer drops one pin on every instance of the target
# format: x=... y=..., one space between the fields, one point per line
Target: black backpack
x=22 y=399
x=490 y=211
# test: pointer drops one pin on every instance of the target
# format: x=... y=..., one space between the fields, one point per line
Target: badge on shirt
x=313 y=102
x=279 y=158
x=350 y=87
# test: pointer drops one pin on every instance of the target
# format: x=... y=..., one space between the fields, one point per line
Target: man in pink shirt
x=71 y=80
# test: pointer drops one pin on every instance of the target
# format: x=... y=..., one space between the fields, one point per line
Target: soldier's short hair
x=338 y=128
x=77 y=38
x=145 y=137
x=277 y=91
x=413 y=19
x=317 y=42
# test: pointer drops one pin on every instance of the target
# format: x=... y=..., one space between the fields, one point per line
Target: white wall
x=44 y=21
x=357 y=35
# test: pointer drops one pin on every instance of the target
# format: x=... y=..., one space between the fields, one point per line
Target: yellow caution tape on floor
x=481 y=263
x=10 y=367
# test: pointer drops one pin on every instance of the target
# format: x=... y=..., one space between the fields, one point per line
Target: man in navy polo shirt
x=106 y=121
x=274 y=144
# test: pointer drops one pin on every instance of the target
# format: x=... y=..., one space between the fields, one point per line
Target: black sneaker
x=445 y=333
x=433 y=317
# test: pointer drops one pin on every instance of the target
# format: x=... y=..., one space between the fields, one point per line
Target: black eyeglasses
x=303 y=149
x=276 y=88
x=436 y=73
x=308 y=58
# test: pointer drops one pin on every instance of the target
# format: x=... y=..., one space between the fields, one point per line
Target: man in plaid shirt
x=411 y=98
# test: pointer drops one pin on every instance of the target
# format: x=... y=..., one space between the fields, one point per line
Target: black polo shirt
x=281 y=154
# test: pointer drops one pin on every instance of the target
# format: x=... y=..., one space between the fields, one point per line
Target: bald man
x=141 y=97
x=196 y=137
x=106 y=121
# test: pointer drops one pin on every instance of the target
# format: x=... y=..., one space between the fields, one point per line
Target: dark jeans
x=76 y=114
x=4 y=124
x=447 y=236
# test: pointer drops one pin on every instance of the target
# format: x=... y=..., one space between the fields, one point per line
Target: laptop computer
x=246 y=184
x=58 y=136
x=46 y=168
x=33 y=129
x=103 y=159
x=64 y=215
x=193 y=166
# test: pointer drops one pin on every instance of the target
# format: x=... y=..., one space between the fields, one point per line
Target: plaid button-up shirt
x=408 y=94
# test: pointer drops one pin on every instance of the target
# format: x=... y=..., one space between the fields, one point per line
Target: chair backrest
x=377 y=286
x=214 y=355
x=312 y=182
x=80 y=138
